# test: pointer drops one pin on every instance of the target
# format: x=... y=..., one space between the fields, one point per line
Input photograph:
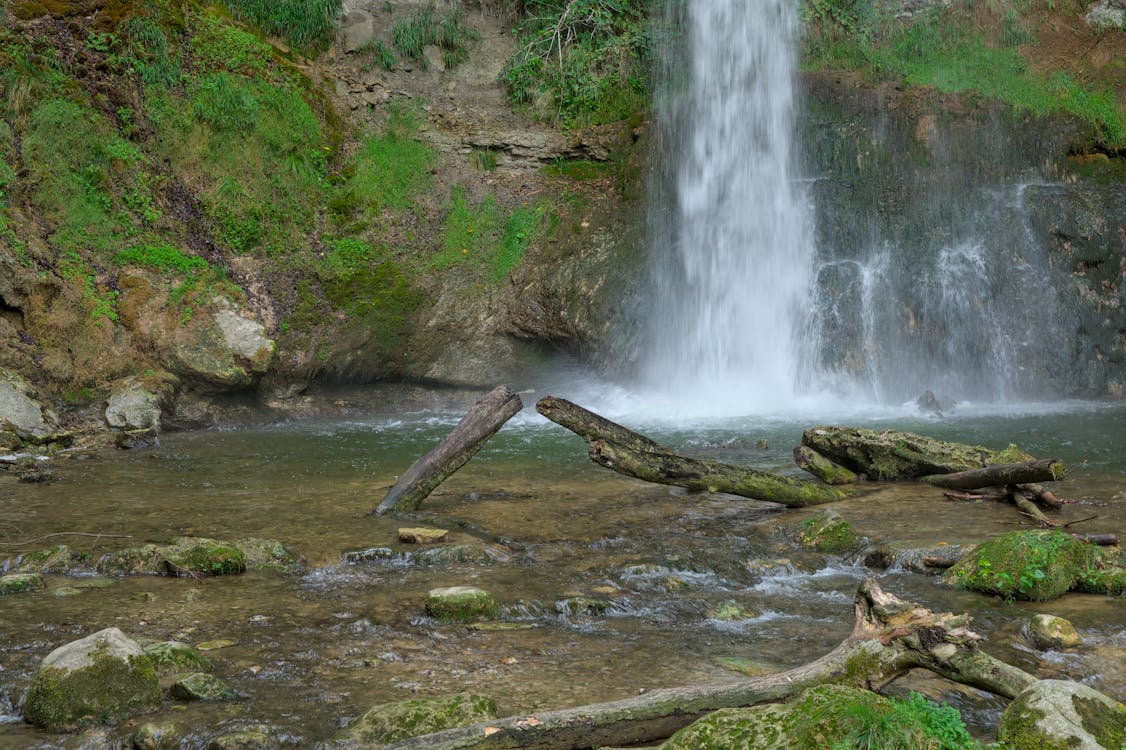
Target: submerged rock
x=252 y=737
x=730 y=611
x=390 y=722
x=193 y=556
x=173 y=656
x=461 y=604
x=480 y=554
x=1062 y=714
x=1051 y=632
x=1031 y=565
x=826 y=531
x=201 y=686
x=19 y=583
x=582 y=606
x=157 y=736
x=101 y=679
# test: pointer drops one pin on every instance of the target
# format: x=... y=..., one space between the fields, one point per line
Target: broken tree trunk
x=630 y=453
x=481 y=422
x=712 y=476
x=828 y=472
x=890 y=637
x=1043 y=470
x=893 y=455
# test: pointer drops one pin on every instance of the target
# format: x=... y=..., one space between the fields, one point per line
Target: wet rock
x=157 y=736
x=422 y=535
x=460 y=604
x=19 y=414
x=103 y=678
x=57 y=559
x=201 y=686
x=1050 y=632
x=368 y=555
x=481 y=554
x=129 y=440
x=390 y=722
x=730 y=611
x=253 y=737
x=582 y=606
x=905 y=557
x=96 y=739
x=267 y=554
x=174 y=656
x=216 y=644
x=186 y=556
x=1061 y=713
x=64 y=591
x=133 y=406
x=19 y=583
x=826 y=531
x=1030 y=565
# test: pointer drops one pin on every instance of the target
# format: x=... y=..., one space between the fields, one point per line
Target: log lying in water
x=630 y=453
x=1042 y=470
x=821 y=467
x=890 y=637
x=481 y=422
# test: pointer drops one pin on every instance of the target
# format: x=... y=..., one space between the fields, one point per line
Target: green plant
x=423 y=27
x=216 y=45
x=380 y=54
x=161 y=257
x=391 y=168
x=524 y=225
x=307 y=24
x=913 y=722
x=484 y=159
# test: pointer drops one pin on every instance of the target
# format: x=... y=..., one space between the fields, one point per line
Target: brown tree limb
x=1043 y=470
x=890 y=637
x=1038 y=493
x=590 y=426
x=481 y=422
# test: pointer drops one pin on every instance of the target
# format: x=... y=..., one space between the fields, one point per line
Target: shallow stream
x=314 y=648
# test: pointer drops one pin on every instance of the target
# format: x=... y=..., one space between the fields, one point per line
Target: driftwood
x=481 y=422
x=890 y=637
x=1043 y=470
x=828 y=472
x=630 y=453
x=1038 y=493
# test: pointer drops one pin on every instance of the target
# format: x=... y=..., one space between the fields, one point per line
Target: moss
x=107 y=691
x=1019 y=730
x=172 y=656
x=202 y=556
x=1105 y=723
x=201 y=686
x=19 y=583
x=266 y=554
x=827 y=532
x=461 y=604
x=1031 y=565
x=397 y=721
x=1111 y=581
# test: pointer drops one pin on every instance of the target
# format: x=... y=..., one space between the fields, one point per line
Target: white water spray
x=732 y=239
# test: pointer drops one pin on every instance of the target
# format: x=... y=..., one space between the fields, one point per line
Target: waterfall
x=730 y=228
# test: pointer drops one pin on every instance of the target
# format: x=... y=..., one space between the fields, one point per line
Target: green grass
x=913 y=722
x=424 y=27
x=389 y=170
x=942 y=50
x=306 y=24
x=161 y=257
x=216 y=45
x=482 y=236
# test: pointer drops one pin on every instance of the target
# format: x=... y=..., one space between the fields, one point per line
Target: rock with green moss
x=57 y=559
x=461 y=604
x=730 y=611
x=826 y=531
x=479 y=554
x=19 y=583
x=201 y=686
x=173 y=656
x=1051 y=632
x=266 y=554
x=1110 y=581
x=391 y=722
x=157 y=736
x=1029 y=565
x=891 y=455
x=250 y=737
x=186 y=556
x=101 y=679
x=1062 y=715
x=828 y=716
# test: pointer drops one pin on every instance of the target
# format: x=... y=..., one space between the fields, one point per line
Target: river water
x=315 y=647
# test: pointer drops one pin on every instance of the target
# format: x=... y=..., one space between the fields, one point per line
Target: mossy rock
x=173 y=656
x=461 y=604
x=1051 y=632
x=582 y=606
x=730 y=611
x=252 y=737
x=101 y=679
x=58 y=559
x=391 y=722
x=266 y=554
x=368 y=555
x=1111 y=582
x=1029 y=565
x=1062 y=715
x=157 y=736
x=199 y=556
x=201 y=686
x=19 y=583
x=826 y=531
x=479 y=554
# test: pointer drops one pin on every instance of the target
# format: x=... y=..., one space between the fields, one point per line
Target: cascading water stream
x=730 y=238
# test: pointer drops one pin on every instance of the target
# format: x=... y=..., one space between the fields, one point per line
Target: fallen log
x=890 y=637
x=590 y=426
x=481 y=422
x=711 y=476
x=828 y=472
x=893 y=455
x=1043 y=470
x=1101 y=540
x=1038 y=493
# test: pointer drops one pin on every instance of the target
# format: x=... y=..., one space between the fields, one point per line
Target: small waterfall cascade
x=729 y=227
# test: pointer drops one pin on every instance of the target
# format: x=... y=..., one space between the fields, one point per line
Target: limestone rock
x=19 y=414
x=390 y=722
x=185 y=556
x=1051 y=632
x=1061 y=713
x=367 y=555
x=132 y=406
x=422 y=535
x=18 y=583
x=730 y=611
x=100 y=679
x=229 y=351
x=827 y=531
x=460 y=604
x=201 y=686
x=357 y=30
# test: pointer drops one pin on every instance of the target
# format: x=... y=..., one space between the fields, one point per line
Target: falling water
x=730 y=232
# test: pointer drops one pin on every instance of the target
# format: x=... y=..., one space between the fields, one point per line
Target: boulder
x=357 y=31
x=227 y=351
x=390 y=722
x=1106 y=14
x=460 y=604
x=1030 y=565
x=100 y=679
x=133 y=406
x=1050 y=632
x=1062 y=714
x=19 y=414
x=201 y=686
x=826 y=531
x=18 y=583
x=186 y=556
